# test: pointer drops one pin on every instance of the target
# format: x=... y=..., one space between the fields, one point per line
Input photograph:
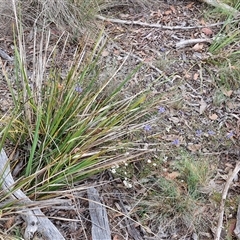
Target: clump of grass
x=193 y=173
x=177 y=197
x=70 y=127
x=224 y=61
x=225 y=53
x=69 y=16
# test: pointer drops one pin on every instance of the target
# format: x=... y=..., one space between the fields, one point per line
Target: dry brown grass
x=73 y=16
x=6 y=18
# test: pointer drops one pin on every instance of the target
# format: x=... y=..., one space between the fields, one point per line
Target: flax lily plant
x=71 y=127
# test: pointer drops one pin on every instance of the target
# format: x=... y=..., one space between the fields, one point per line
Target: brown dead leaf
x=194 y=147
x=168 y=12
x=229 y=165
x=117 y=237
x=105 y=53
x=226 y=92
x=195 y=76
x=202 y=22
x=9 y=222
x=190 y=5
x=230 y=105
x=172 y=175
x=158 y=13
x=173 y=9
x=198 y=47
x=228 y=125
x=148 y=59
x=207 y=31
x=203 y=106
x=187 y=75
x=231 y=227
x=116 y=52
x=213 y=116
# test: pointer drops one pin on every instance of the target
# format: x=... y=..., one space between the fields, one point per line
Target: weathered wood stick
x=35 y=219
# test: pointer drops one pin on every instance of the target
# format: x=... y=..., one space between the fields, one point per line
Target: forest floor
x=175 y=193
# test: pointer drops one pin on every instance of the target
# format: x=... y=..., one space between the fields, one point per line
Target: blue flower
x=161 y=109
x=210 y=132
x=147 y=127
x=229 y=135
x=78 y=89
x=176 y=142
x=199 y=133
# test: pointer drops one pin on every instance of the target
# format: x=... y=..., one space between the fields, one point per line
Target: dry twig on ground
x=224 y=196
x=35 y=220
x=189 y=42
x=154 y=25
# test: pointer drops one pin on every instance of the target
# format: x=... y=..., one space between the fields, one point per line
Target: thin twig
x=224 y=196
x=154 y=25
x=188 y=42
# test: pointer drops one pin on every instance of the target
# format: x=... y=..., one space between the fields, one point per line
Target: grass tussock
x=70 y=127
x=177 y=196
x=223 y=63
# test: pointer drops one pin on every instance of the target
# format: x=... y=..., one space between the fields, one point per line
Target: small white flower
x=126 y=164
x=165 y=159
x=149 y=161
x=154 y=164
x=127 y=184
x=125 y=173
x=113 y=170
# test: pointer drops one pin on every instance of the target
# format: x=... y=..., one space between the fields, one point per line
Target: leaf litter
x=189 y=106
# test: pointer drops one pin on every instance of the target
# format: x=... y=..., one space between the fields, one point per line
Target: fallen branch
x=154 y=25
x=35 y=219
x=224 y=196
x=99 y=218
